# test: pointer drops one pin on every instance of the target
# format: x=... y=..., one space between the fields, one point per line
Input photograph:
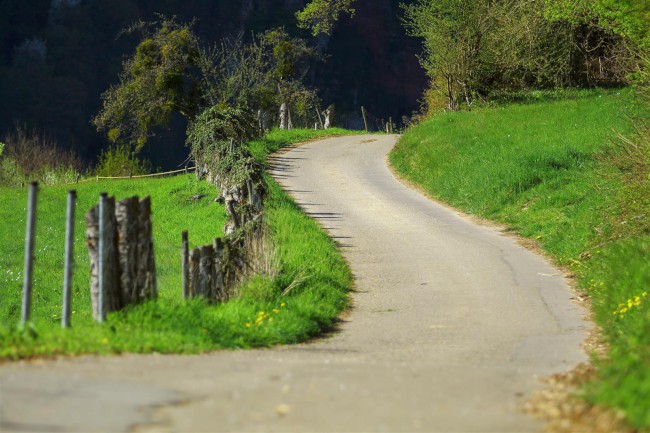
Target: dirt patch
x=564 y=411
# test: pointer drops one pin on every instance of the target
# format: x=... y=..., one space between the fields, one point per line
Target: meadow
x=556 y=170
x=258 y=314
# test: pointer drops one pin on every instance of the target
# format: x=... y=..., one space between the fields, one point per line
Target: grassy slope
x=542 y=170
x=169 y=324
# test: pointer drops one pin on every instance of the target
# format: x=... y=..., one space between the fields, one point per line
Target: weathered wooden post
x=185 y=257
x=205 y=270
x=120 y=244
x=365 y=119
x=126 y=215
x=219 y=280
x=103 y=255
x=195 y=258
x=69 y=259
x=29 y=252
x=146 y=277
x=92 y=242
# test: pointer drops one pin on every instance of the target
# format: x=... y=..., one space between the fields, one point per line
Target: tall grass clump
x=300 y=286
x=572 y=175
x=29 y=155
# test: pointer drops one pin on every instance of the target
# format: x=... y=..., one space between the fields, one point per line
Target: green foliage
x=552 y=171
x=171 y=73
x=473 y=49
x=275 y=65
x=217 y=137
x=10 y=173
x=452 y=32
x=628 y=18
x=121 y=160
x=320 y=15
x=165 y=76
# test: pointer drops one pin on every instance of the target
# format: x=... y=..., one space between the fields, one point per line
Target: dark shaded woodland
x=58 y=56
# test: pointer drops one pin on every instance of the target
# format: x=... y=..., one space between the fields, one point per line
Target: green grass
x=547 y=171
x=308 y=260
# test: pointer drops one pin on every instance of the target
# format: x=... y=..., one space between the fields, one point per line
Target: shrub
x=121 y=160
x=28 y=155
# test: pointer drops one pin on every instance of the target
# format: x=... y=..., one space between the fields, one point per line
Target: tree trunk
x=284 y=121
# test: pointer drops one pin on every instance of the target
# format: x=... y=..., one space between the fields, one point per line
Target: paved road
x=452 y=325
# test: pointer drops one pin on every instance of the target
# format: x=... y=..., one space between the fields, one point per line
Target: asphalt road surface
x=452 y=326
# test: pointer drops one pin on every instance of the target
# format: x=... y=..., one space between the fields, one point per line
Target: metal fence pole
x=69 y=259
x=29 y=252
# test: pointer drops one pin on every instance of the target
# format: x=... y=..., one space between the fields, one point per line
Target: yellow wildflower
x=105 y=340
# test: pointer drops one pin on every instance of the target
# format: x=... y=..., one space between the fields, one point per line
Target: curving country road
x=452 y=326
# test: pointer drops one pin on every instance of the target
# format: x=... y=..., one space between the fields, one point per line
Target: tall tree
x=165 y=75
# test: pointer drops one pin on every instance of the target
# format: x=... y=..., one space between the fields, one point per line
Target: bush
x=29 y=155
x=121 y=160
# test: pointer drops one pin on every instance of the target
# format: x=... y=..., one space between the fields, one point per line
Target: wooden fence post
x=109 y=297
x=102 y=252
x=195 y=258
x=126 y=215
x=219 y=280
x=29 y=252
x=146 y=276
x=365 y=120
x=185 y=264
x=205 y=270
x=92 y=242
x=69 y=259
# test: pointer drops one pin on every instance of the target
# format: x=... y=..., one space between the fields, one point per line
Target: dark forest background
x=58 y=56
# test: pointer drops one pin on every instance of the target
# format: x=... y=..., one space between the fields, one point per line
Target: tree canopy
x=320 y=15
x=165 y=75
x=172 y=71
x=476 y=48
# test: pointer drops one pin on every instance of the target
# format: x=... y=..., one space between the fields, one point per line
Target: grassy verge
x=258 y=316
x=548 y=171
